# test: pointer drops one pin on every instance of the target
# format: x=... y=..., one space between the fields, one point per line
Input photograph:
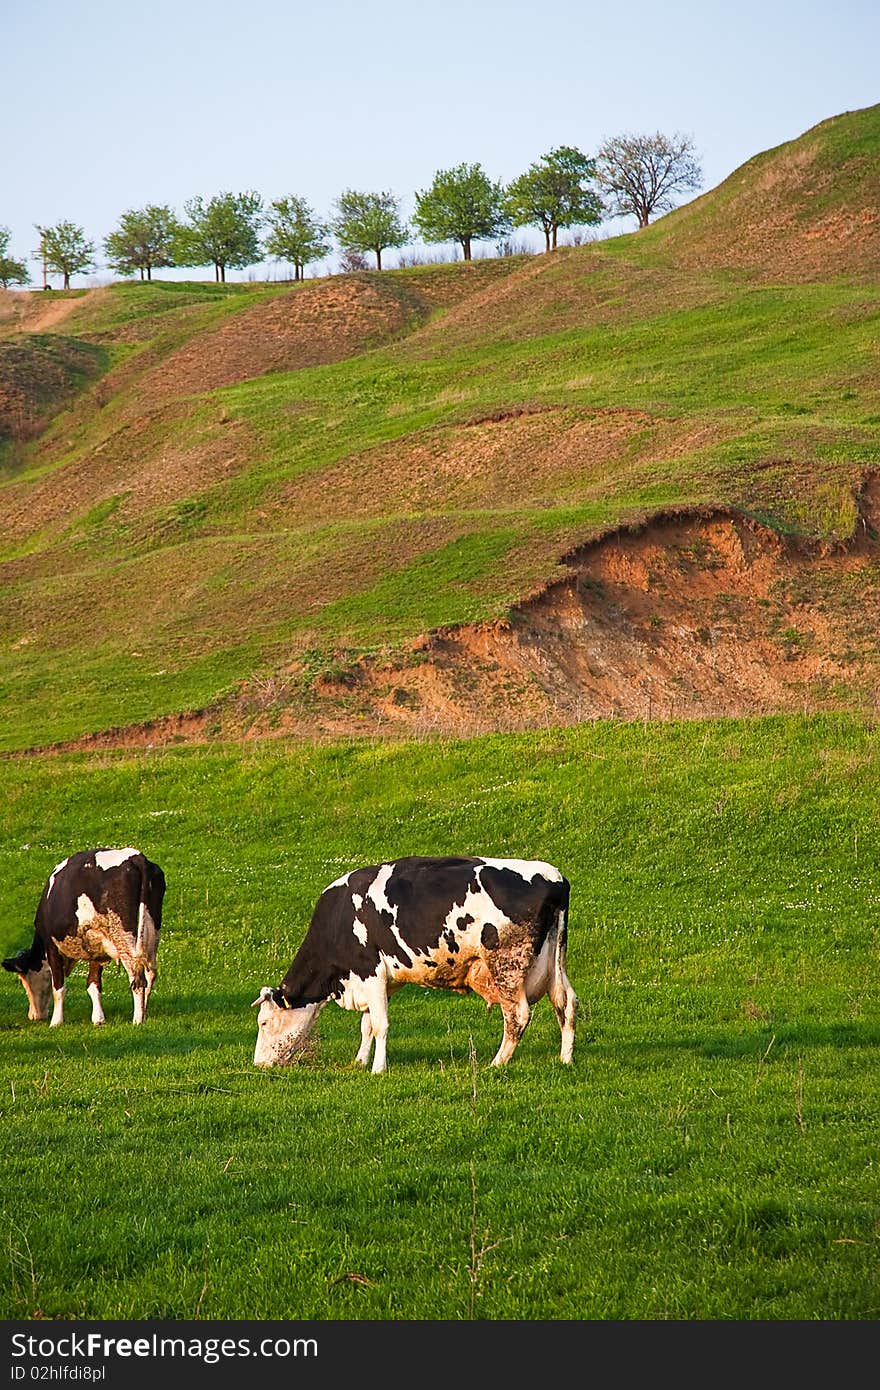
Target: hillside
x=632 y=479
x=807 y=210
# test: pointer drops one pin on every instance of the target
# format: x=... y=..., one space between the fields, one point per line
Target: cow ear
x=265 y=993
x=13 y=963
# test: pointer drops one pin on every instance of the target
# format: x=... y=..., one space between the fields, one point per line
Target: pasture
x=711 y=1153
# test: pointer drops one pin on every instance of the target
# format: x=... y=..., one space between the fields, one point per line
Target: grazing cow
x=496 y=927
x=97 y=906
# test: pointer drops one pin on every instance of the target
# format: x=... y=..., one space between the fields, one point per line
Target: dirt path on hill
x=37 y=321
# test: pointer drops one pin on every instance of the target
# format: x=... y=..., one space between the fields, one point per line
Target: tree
x=143 y=241
x=11 y=272
x=369 y=222
x=554 y=192
x=65 y=250
x=463 y=205
x=295 y=234
x=642 y=173
x=223 y=232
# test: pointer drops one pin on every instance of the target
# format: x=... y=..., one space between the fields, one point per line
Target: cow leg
x=516 y=1013
x=60 y=970
x=378 y=1015
x=363 y=1052
x=138 y=981
x=93 y=989
x=565 y=1004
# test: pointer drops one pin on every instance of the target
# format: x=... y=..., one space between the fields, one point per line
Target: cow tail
x=142 y=911
x=560 y=934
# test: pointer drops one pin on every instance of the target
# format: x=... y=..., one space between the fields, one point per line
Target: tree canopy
x=642 y=173
x=66 y=250
x=12 y=272
x=369 y=222
x=143 y=241
x=296 y=234
x=555 y=192
x=224 y=232
x=462 y=205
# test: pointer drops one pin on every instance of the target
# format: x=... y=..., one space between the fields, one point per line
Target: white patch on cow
x=369 y=996
x=112 y=858
x=339 y=882
x=86 y=912
x=94 y=992
x=57 y=1007
x=376 y=891
x=147 y=936
x=357 y=899
x=485 y=912
x=360 y=931
x=528 y=869
x=52 y=876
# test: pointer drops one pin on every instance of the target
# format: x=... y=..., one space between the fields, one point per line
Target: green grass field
x=711 y=1153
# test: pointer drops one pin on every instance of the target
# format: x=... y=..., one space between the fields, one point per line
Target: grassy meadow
x=711 y=1153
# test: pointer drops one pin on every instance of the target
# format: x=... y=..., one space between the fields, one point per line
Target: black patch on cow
x=28 y=959
x=450 y=942
x=464 y=921
x=489 y=936
x=425 y=891
x=379 y=934
x=532 y=904
x=331 y=951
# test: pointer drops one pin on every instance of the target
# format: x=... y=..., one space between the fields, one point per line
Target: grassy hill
x=357 y=503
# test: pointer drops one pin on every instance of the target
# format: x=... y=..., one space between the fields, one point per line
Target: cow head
x=282 y=1031
x=36 y=979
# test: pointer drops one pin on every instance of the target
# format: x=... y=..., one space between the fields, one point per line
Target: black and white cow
x=97 y=906
x=497 y=927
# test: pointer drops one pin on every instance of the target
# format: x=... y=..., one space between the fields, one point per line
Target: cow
x=494 y=927
x=98 y=905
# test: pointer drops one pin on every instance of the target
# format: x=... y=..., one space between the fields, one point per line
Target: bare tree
x=642 y=173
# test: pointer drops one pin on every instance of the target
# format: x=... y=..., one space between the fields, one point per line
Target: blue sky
x=107 y=107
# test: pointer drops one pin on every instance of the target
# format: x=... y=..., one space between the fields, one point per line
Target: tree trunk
x=149 y=272
x=378 y=258
x=554 y=236
x=66 y=280
x=466 y=247
x=546 y=238
x=643 y=220
x=141 y=269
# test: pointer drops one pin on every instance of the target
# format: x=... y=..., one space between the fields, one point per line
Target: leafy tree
x=463 y=205
x=642 y=173
x=223 y=232
x=295 y=234
x=369 y=222
x=11 y=272
x=143 y=241
x=554 y=192
x=65 y=250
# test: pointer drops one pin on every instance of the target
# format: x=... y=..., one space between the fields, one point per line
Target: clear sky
x=108 y=106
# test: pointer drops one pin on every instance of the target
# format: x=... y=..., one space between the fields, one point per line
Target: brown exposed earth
x=693 y=614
